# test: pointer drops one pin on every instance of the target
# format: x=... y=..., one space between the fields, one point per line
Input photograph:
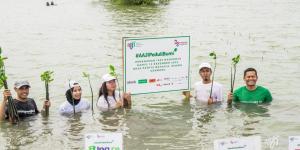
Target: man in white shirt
x=202 y=88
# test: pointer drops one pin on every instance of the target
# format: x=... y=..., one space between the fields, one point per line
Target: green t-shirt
x=259 y=95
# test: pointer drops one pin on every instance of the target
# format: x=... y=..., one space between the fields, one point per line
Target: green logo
x=92 y=147
x=143 y=81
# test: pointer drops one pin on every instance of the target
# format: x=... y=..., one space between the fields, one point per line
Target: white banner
x=245 y=143
x=156 y=64
x=294 y=142
x=104 y=141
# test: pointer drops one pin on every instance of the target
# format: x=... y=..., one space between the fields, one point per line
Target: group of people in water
x=109 y=98
x=250 y=93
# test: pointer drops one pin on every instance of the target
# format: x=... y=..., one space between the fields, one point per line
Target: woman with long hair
x=109 y=98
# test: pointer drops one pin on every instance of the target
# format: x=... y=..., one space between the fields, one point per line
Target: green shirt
x=259 y=95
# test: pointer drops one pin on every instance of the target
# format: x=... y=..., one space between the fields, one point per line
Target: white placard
x=156 y=64
x=244 y=143
x=294 y=142
x=104 y=141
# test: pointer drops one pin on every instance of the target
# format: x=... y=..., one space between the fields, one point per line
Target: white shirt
x=202 y=92
x=102 y=103
x=67 y=108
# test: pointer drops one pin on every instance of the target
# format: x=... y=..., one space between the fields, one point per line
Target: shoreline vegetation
x=140 y=2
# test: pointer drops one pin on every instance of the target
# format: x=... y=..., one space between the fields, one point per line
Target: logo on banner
x=104 y=141
x=133 y=44
x=131 y=82
x=142 y=81
x=178 y=43
x=152 y=80
x=103 y=148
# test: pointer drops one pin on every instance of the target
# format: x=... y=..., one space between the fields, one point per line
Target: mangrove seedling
x=235 y=61
x=214 y=57
x=73 y=101
x=12 y=111
x=47 y=78
x=112 y=72
x=86 y=75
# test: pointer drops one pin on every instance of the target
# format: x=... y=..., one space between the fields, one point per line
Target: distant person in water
x=109 y=98
x=25 y=106
x=51 y=3
x=202 y=88
x=73 y=92
x=251 y=93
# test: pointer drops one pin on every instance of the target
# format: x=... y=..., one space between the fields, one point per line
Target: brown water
x=85 y=35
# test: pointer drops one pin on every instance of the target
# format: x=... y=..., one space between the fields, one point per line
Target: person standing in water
x=25 y=106
x=250 y=93
x=202 y=88
x=74 y=92
x=109 y=98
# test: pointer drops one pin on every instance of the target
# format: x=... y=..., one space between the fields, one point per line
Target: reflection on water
x=112 y=120
x=253 y=110
x=73 y=132
x=19 y=135
x=46 y=129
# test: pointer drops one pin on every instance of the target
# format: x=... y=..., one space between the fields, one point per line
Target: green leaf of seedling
x=85 y=75
x=2 y=69
x=2 y=60
x=2 y=79
x=47 y=76
x=113 y=74
x=112 y=71
x=175 y=49
x=236 y=59
x=213 y=55
x=111 y=68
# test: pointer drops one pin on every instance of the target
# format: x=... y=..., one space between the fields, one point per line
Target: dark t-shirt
x=25 y=109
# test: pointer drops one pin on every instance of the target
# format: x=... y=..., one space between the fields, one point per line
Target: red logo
x=152 y=80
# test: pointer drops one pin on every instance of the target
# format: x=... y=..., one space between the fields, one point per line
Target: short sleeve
x=195 y=90
x=235 y=97
x=102 y=105
x=35 y=107
x=6 y=112
x=268 y=97
x=220 y=94
x=63 y=109
x=195 y=93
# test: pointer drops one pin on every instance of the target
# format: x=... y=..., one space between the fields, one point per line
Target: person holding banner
x=109 y=98
x=251 y=93
x=202 y=88
x=73 y=93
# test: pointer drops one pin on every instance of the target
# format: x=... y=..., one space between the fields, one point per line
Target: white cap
x=19 y=84
x=70 y=84
x=108 y=77
x=204 y=65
